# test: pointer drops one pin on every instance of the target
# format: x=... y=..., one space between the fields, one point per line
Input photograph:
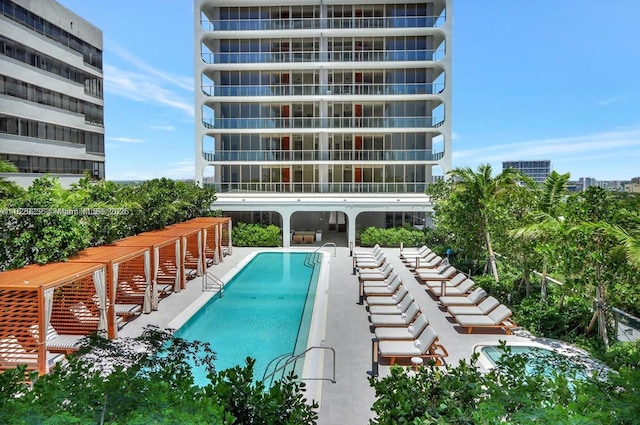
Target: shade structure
x=128 y=271
x=225 y=242
x=35 y=298
x=165 y=264
x=212 y=231
x=191 y=256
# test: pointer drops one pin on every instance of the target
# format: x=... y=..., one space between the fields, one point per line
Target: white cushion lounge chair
x=473 y=298
x=461 y=290
x=411 y=332
x=485 y=307
x=447 y=273
x=455 y=281
x=400 y=307
x=427 y=263
x=385 y=282
x=498 y=318
x=402 y=319
x=371 y=263
x=408 y=254
x=56 y=342
x=425 y=346
x=362 y=253
x=412 y=261
x=13 y=353
x=376 y=274
x=393 y=299
x=388 y=290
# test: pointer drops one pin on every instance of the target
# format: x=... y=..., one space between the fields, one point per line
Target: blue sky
x=545 y=79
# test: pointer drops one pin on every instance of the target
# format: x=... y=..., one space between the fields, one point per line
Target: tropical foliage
x=148 y=380
x=49 y=223
x=392 y=237
x=244 y=234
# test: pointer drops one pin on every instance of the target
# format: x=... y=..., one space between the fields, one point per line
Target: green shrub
x=623 y=354
x=244 y=234
x=391 y=237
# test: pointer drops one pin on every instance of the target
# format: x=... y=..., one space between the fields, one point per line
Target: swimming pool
x=265 y=312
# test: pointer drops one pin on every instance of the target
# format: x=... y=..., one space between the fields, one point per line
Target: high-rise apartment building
x=51 y=109
x=537 y=170
x=323 y=114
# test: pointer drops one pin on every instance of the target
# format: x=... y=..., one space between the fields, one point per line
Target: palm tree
x=7 y=187
x=547 y=221
x=484 y=189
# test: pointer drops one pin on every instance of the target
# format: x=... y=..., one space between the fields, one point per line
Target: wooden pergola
x=36 y=298
x=191 y=253
x=128 y=272
x=224 y=225
x=166 y=262
x=212 y=232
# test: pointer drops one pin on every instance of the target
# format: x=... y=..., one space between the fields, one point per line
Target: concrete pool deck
x=349 y=400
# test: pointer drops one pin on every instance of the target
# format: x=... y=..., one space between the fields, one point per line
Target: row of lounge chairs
x=401 y=330
x=470 y=307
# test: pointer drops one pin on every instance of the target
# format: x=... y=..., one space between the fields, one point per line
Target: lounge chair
x=398 y=308
x=407 y=255
x=56 y=342
x=461 y=290
x=425 y=346
x=498 y=318
x=367 y=252
x=388 y=290
x=384 y=282
x=13 y=353
x=428 y=263
x=403 y=319
x=84 y=316
x=376 y=274
x=485 y=307
x=371 y=263
x=392 y=299
x=446 y=273
x=454 y=281
x=411 y=332
x=473 y=298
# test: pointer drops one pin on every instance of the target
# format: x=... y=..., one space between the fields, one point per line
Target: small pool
x=540 y=359
x=266 y=312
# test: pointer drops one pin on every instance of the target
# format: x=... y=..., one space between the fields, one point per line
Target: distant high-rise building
x=323 y=113
x=537 y=170
x=52 y=107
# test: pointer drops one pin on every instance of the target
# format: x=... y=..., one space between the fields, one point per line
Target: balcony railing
x=311 y=90
x=314 y=155
x=295 y=122
x=333 y=56
x=330 y=23
x=323 y=187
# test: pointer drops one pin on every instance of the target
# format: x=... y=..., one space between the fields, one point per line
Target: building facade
x=51 y=91
x=537 y=170
x=319 y=113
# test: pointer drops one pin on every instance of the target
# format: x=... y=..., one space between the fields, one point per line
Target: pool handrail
x=290 y=358
x=335 y=248
x=218 y=284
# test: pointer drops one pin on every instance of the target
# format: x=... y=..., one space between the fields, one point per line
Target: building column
x=351 y=227
x=286 y=229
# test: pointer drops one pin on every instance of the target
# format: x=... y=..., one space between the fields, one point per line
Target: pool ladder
x=211 y=283
x=288 y=360
x=314 y=258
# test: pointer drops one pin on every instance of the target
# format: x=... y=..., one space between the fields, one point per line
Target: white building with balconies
x=321 y=115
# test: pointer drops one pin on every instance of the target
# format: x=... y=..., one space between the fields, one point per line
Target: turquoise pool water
x=539 y=359
x=265 y=312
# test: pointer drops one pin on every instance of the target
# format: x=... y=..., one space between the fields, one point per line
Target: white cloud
x=125 y=140
x=182 y=170
x=610 y=100
x=167 y=127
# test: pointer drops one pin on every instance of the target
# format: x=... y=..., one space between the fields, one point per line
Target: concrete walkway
x=349 y=400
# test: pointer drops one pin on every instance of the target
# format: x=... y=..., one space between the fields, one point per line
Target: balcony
x=315 y=155
x=336 y=123
x=365 y=22
x=331 y=89
x=346 y=188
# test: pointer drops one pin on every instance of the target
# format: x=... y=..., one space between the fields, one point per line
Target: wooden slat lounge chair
x=411 y=332
x=499 y=318
x=392 y=299
x=461 y=290
x=394 y=320
x=485 y=307
x=398 y=308
x=425 y=346
x=56 y=342
x=473 y=298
